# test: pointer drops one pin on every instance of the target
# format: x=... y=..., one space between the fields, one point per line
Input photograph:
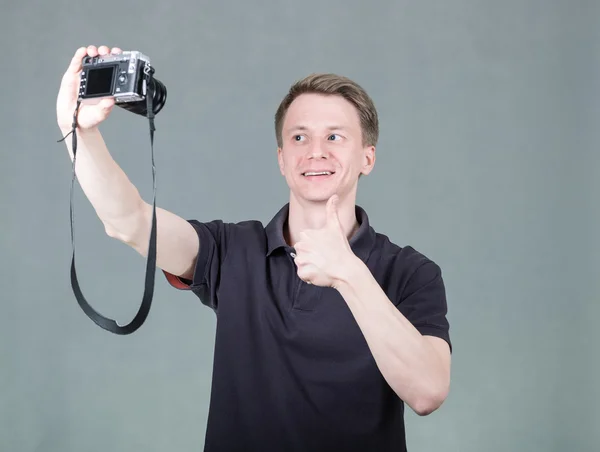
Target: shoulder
x=401 y=257
x=219 y=227
x=231 y=234
x=404 y=270
x=250 y=235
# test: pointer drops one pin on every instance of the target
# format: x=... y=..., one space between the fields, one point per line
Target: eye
x=333 y=137
x=298 y=137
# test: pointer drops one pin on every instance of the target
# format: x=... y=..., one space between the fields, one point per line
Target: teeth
x=323 y=173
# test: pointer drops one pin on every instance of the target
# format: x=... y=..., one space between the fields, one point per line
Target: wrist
x=67 y=128
x=352 y=270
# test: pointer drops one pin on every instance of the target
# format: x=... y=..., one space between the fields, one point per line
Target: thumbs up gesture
x=323 y=254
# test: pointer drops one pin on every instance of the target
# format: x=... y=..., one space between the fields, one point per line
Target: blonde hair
x=333 y=85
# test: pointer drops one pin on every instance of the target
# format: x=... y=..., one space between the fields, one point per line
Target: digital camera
x=124 y=77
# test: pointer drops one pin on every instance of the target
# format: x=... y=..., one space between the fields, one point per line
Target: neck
x=313 y=215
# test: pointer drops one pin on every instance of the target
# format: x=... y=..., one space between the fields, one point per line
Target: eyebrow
x=304 y=128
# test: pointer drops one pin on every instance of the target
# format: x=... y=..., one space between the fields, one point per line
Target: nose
x=317 y=151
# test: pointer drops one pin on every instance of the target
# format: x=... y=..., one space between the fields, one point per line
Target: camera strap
x=142 y=314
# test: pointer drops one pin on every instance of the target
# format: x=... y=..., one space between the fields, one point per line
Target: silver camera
x=125 y=77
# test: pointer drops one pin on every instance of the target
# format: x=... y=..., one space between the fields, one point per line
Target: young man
x=325 y=329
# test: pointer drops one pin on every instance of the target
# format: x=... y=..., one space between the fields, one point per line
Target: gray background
x=488 y=163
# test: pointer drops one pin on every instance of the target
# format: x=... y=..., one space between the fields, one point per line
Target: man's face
x=322 y=151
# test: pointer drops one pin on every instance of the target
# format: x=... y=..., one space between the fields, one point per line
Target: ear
x=280 y=161
x=368 y=160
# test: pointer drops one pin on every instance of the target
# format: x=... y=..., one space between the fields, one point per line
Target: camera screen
x=99 y=81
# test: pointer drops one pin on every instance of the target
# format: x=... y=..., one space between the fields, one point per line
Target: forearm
x=115 y=199
x=408 y=362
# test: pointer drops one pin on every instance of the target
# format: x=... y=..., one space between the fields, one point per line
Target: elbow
x=430 y=401
x=127 y=239
x=130 y=229
x=114 y=233
x=425 y=407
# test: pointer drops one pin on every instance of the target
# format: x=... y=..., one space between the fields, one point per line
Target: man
x=325 y=329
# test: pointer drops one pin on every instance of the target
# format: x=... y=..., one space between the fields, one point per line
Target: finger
x=305 y=258
x=332 y=215
x=75 y=65
x=106 y=104
x=302 y=246
x=92 y=51
x=115 y=50
x=302 y=274
x=103 y=50
x=306 y=273
x=300 y=261
x=298 y=246
x=303 y=236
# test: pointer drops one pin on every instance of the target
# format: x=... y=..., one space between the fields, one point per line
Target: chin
x=315 y=196
x=318 y=199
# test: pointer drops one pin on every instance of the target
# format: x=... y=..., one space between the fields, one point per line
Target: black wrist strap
x=140 y=317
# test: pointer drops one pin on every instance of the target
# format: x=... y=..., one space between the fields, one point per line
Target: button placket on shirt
x=306 y=296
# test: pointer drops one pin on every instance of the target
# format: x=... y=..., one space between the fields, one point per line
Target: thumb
x=332 y=214
x=107 y=103
x=105 y=106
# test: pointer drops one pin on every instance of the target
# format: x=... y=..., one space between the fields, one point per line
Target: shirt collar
x=361 y=242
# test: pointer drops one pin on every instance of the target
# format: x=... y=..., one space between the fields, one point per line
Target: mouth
x=318 y=174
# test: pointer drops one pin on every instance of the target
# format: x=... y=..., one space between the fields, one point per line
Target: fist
x=322 y=255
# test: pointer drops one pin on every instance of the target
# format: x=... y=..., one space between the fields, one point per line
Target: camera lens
x=159 y=99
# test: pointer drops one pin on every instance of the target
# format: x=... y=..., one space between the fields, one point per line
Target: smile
x=318 y=173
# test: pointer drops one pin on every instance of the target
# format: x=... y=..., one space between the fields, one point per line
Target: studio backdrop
x=487 y=162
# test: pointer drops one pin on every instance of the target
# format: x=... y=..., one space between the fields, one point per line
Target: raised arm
x=117 y=202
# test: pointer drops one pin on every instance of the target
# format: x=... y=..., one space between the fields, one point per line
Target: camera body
x=121 y=76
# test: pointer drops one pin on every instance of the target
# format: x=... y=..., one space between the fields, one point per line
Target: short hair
x=332 y=85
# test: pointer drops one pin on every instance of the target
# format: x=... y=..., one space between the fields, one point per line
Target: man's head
x=326 y=123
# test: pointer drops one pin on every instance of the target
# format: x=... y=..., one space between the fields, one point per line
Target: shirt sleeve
x=424 y=303
x=214 y=241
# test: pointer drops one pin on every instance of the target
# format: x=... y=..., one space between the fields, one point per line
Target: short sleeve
x=423 y=302
x=214 y=240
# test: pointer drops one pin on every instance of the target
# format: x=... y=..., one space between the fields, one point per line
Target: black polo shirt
x=292 y=370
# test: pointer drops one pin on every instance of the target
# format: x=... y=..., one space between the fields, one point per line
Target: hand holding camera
x=101 y=79
x=95 y=81
x=89 y=115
